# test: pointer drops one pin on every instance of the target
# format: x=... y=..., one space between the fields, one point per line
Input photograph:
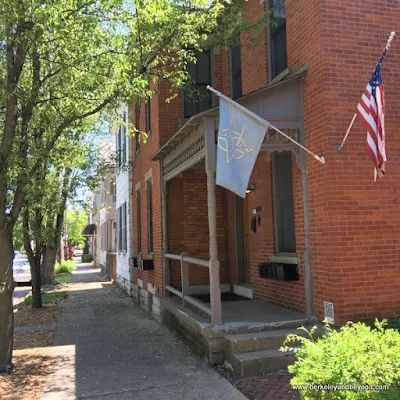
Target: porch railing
x=185 y=260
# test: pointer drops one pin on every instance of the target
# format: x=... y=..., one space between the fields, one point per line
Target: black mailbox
x=146 y=265
x=278 y=271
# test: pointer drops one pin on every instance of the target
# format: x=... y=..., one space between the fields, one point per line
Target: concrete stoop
x=249 y=349
x=257 y=353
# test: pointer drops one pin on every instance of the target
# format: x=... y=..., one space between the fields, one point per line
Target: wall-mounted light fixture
x=251 y=188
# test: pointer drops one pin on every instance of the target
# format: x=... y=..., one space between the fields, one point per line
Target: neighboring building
x=104 y=208
x=123 y=198
x=329 y=230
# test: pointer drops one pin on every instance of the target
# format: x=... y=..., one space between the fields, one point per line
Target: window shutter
x=124 y=231
x=139 y=222
x=284 y=204
x=278 y=39
x=124 y=127
x=201 y=77
x=236 y=71
x=150 y=215
x=117 y=230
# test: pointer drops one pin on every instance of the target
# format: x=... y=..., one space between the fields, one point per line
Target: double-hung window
x=138 y=222
x=277 y=37
x=200 y=73
x=122 y=239
x=236 y=70
x=121 y=141
x=284 y=203
x=149 y=191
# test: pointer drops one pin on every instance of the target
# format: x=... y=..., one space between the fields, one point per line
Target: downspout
x=130 y=195
x=308 y=286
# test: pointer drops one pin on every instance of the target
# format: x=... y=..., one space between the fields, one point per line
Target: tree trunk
x=49 y=261
x=62 y=254
x=6 y=302
x=35 y=259
x=36 y=285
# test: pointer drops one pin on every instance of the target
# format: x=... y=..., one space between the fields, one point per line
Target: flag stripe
x=371 y=110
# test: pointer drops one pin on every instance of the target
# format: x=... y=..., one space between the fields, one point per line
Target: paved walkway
x=109 y=349
x=274 y=386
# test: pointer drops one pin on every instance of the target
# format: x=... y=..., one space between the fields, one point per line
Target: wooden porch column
x=164 y=219
x=215 y=289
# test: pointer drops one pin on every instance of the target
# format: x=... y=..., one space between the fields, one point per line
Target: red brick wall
x=304 y=46
x=364 y=229
x=355 y=224
x=175 y=226
x=188 y=225
x=254 y=50
x=262 y=243
x=141 y=165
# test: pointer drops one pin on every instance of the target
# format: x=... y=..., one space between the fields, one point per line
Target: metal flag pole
x=321 y=159
x=340 y=146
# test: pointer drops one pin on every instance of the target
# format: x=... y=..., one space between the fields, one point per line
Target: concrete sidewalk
x=109 y=349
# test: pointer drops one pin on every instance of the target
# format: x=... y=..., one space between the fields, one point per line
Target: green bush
x=394 y=322
x=63 y=278
x=356 y=354
x=68 y=266
x=86 y=258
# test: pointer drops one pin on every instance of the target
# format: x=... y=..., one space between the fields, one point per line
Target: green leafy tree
x=76 y=220
x=62 y=61
x=69 y=167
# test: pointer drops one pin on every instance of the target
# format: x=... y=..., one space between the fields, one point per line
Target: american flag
x=371 y=110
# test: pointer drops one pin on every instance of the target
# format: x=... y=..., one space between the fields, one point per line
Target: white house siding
x=124 y=194
x=103 y=252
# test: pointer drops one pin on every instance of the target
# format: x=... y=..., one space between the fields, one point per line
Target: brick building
x=332 y=222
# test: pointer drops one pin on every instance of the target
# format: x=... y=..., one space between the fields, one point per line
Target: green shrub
x=86 y=258
x=67 y=266
x=394 y=322
x=63 y=278
x=353 y=355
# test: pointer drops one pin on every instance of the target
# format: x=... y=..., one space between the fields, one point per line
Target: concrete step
x=259 y=362
x=264 y=340
x=267 y=326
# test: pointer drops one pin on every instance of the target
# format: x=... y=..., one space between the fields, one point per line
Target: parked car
x=18 y=255
x=21 y=270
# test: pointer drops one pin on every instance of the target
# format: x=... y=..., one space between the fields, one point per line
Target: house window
x=124 y=130
x=278 y=53
x=103 y=236
x=113 y=189
x=115 y=230
x=149 y=191
x=200 y=73
x=121 y=141
x=139 y=222
x=122 y=228
x=283 y=203
x=236 y=71
x=118 y=148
